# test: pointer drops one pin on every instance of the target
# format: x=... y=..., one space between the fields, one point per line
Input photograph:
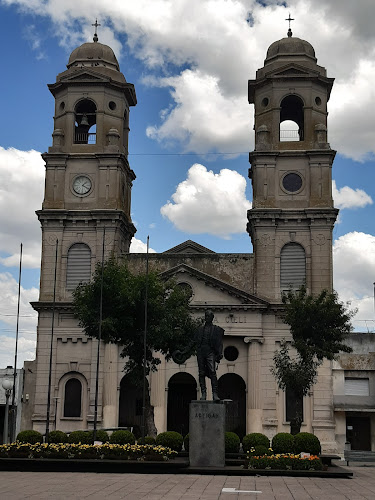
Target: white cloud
x=209 y=203
x=137 y=246
x=346 y=197
x=21 y=193
x=8 y=320
x=25 y=352
x=219 y=123
x=353 y=275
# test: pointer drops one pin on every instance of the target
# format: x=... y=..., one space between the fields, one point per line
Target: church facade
x=88 y=200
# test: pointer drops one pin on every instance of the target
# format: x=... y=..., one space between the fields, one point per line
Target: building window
x=78 y=265
x=85 y=122
x=292 y=267
x=293 y=405
x=357 y=386
x=73 y=398
x=291 y=119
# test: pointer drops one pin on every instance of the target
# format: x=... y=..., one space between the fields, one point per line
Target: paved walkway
x=68 y=485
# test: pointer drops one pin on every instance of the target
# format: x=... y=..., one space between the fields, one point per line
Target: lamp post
x=7 y=386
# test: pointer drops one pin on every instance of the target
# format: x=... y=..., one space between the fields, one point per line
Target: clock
x=82 y=184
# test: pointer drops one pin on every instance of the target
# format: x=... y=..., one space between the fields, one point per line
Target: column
x=254 y=394
x=110 y=382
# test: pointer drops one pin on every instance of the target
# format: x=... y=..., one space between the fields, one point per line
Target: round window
x=231 y=353
x=292 y=182
x=112 y=105
x=265 y=102
x=318 y=101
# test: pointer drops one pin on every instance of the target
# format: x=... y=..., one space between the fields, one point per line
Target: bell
x=84 y=121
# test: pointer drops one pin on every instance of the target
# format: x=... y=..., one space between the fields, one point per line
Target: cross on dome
x=289 y=30
x=96 y=24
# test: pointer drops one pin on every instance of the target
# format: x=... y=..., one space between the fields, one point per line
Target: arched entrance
x=130 y=405
x=182 y=389
x=232 y=386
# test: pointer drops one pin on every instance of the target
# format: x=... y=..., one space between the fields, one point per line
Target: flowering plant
x=86 y=451
x=283 y=461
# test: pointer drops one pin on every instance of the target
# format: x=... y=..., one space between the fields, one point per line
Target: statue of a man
x=209 y=344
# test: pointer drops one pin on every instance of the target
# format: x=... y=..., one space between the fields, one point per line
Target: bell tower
x=292 y=217
x=87 y=195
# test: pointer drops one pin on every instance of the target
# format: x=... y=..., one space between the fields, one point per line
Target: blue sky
x=190 y=62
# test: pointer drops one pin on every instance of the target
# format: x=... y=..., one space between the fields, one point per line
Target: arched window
x=291 y=119
x=292 y=267
x=85 y=122
x=73 y=398
x=78 y=265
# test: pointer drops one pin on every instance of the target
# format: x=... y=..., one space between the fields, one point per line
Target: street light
x=7 y=386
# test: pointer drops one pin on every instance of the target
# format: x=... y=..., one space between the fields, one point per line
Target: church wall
x=233 y=268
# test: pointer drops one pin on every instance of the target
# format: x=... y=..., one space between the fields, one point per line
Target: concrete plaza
x=70 y=485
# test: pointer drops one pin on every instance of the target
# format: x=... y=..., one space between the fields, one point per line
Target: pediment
x=189 y=246
x=210 y=291
x=83 y=75
x=292 y=70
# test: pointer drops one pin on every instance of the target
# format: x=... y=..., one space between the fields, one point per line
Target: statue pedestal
x=207 y=434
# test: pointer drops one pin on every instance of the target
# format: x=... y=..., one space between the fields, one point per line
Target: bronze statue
x=209 y=344
x=208 y=340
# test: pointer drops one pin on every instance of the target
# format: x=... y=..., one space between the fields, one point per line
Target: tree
x=318 y=325
x=170 y=324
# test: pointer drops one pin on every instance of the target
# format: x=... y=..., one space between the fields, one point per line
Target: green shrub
x=58 y=437
x=30 y=436
x=122 y=437
x=186 y=442
x=305 y=441
x=82 y=437
x=283 y=442
x=232 y=442
x=147 y=440
x=170 y=439
x=100 y=436
x=255 y=439
x=259 y=451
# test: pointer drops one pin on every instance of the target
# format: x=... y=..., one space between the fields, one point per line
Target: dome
x=93 y=54
x=290 y=46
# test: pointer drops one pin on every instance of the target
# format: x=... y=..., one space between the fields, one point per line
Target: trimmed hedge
x=30 y=436
x=232 y=442
x=305 y=441
x=148 y=440
x=122 y=437
x=82 y=437
x=58 y=437
x=259 y=451
x=255 y=439
x=170 y=439
x=100 y=436
x=283 y=442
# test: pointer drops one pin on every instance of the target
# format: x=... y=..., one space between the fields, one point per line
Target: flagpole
x=51 y=348
x=99 y=339
x=13 y=409
x=145 y=350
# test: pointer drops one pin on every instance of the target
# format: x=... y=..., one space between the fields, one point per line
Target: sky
x=191 y=130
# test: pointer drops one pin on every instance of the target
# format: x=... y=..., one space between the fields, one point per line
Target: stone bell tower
x=87 y=190
x=292 y=217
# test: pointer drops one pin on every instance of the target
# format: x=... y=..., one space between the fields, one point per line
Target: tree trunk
x=150 y=427
x=296 y=422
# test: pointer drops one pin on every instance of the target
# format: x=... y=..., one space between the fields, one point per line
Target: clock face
x=82 y=184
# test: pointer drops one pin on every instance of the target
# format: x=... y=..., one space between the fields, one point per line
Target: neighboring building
x=354 y=393
x=88 y=188
x=8 y=373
